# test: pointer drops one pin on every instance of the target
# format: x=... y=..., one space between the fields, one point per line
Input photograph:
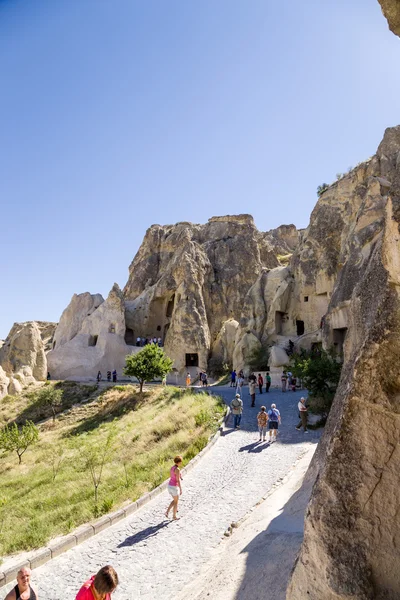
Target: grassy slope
x=150 y=430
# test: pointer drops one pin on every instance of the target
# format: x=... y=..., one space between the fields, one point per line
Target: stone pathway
x=156 y=558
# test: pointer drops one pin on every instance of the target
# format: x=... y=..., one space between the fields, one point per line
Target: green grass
x=150 y=429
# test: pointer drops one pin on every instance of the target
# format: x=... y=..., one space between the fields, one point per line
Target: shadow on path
x=143 y=535
x=255 y=447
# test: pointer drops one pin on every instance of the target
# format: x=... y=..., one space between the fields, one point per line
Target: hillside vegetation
x=135 y=434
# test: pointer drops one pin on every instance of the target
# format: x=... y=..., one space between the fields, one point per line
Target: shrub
x=217 y=367
x=259 y=359
x=321 y=189
x=320 y=373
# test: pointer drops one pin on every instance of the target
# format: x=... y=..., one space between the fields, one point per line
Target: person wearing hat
x=237 y=409
x=303 y=412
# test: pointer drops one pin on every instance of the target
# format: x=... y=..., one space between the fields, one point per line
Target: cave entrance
x=92 y=340
x=192 y=360
x=300 y=327
x=280 y=318
x=339 y=336
x=170 y=306
x=129 y=337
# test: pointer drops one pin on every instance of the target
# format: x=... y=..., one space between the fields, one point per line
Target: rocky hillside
x=391 y=10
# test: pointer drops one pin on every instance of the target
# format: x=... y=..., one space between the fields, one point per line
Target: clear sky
x=117 y=114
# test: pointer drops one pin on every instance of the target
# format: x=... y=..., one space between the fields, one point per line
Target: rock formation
x=352 y=530
x=90 y=337
x=23 y=355
x=391 y=10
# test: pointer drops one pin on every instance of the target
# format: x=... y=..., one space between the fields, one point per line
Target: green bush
x=259 y=359
x=321 y=189
x=320 y=374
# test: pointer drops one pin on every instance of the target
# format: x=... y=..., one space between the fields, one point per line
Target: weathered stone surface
x=391 y=10
x=4 y=382
x=99 y=342
x=23 y=356
x=352 y=529
x=278 y=357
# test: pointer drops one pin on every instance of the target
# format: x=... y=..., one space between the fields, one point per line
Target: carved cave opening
x=192 y=360
x=129 y=337
x=111 y=328
x=170 y=306
x=300 y=327
x=339 y=336
x=93 y=340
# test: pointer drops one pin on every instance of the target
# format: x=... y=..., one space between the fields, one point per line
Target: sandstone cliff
x=23 y=355
x=352 y=527
x=391 y=10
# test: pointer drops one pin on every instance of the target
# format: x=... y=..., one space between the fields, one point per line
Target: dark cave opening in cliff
x=339 y=336
x=280 y=318
x=300 y=327
x=170 y=306
x=129 y=337
x=192 y=360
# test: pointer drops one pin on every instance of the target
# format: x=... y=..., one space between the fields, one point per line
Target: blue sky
x=117 y=114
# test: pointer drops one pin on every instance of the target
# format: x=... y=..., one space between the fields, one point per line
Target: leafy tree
x=13 y=439
x=258 y=360
x=49 y=396
x=147 y=364
x=321 y=189
x=320 y=373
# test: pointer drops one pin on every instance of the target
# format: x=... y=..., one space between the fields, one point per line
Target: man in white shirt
x=303 y=411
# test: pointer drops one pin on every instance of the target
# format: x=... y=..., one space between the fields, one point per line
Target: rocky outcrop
x=23 y=355
x=391 y=10
x=87 y=342
x=352 y=527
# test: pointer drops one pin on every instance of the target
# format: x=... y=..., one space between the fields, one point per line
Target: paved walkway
x=156 y=558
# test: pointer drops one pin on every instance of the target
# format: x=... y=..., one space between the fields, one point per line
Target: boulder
x=278 y=357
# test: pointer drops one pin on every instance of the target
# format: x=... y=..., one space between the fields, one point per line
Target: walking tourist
x=241 y=374
x=252 y=377
x=23 y=589
x=114 y=374
x=303 y=414
x=205 y=380
x=174 y=487
x=108 y=375
x=233 y=378
x=138 y=341
x=260 y=382
x=48 y=376
x=289 y=379
x=239 y=385
x=188 y=379
x=100 y=586
x=262 y=419
x=274 y=420
x=159 y=341
x=252 y=390
x=267 y=382
x=98 y=377
x=237 y=409
x=284 y=381
x=164 y=381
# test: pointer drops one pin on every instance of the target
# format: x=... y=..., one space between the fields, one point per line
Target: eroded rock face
x=23 y=355
x=187 y=281
x=352 y=528
x=391 y=10
x=90 y=341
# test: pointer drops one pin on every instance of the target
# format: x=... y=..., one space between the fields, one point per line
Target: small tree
x=13 y=439
x=55 y=455
x=95 y=454
x=321 y=189
x=320 y=373
x=49 y=396
x=147 y=364
x=258 y=360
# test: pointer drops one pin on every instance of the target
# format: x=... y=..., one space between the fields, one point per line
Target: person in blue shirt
x=274 y=420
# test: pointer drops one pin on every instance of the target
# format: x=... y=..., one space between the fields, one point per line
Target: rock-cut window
x=111 y=329
x=93 y=340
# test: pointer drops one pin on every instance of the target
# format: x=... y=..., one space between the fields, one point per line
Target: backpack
x=273 y=415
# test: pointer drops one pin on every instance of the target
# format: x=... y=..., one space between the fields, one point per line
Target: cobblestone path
x=156 y=558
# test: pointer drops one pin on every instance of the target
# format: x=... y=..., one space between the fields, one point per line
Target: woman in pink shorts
x=174 y=487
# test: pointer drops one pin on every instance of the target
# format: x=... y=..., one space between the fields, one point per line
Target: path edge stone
x=84 y=532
